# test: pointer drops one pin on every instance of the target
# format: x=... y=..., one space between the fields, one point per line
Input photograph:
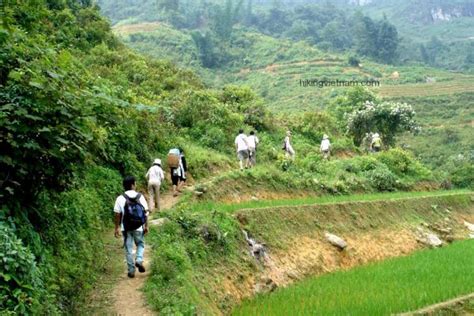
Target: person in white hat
x=325 y=147
x=376 y=143
x=155 y=176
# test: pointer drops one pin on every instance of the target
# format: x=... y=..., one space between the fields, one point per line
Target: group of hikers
x=372 y=142
x=246 y=147
x=132 y=210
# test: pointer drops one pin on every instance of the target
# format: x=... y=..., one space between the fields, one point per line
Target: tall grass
x=393 y=286
x=326 y=199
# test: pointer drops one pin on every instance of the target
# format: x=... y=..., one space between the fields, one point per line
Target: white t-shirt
x=252 y=141
x=241 y=142
x=120 y=205
x=325 y=144
x=155 y=175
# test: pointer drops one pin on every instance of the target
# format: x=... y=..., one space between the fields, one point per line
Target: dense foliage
x=78 y=111
x=214 y=26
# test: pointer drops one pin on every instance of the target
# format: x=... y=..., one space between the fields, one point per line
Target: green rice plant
x=393 y=286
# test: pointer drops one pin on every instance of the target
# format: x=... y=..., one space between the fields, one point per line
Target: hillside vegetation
x=80 y=110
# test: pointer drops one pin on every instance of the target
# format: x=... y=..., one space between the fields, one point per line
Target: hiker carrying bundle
x=173 y=158
x=178 y=169
x=131 y=213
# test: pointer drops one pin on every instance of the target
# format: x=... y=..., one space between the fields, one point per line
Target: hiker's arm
x=185 y=164
x=118 y=217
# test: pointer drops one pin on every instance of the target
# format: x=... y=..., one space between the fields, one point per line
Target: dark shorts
x=377 y=149
x=243 y=154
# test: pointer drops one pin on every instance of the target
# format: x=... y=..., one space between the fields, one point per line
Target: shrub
x=382 y=179
x=20 y=281
x=402 y=163
x=353 y=61
x=463 y=176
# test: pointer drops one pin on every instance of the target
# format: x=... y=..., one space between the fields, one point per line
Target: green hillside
x=267 y=65
x=82 y=105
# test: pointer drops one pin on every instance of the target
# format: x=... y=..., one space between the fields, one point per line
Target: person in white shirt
x=133 y=236
x=325 y=147
x=289 y=151
x=242 y=149
x=252 y=142
x=155 y=176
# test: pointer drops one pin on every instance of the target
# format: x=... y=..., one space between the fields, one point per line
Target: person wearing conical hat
x=325 y=147
x=155 y=176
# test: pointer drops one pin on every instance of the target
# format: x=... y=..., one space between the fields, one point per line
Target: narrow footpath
x=128 y=297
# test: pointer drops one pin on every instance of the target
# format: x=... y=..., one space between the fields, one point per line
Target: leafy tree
x=387 y=42
x=434 y=48
x=366 y=34
x=246 y=102
x=387 y=119
x=208 y=53
x=353 y=61
x=334 y=33
x=224 y=19
x=353 y=99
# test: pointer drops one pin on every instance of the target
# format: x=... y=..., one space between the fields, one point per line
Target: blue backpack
x=134 y=214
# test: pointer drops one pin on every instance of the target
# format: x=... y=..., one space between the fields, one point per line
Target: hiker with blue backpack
x=131 y=212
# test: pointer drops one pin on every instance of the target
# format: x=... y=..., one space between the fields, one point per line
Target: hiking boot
x=131 y=275
x=140 y=267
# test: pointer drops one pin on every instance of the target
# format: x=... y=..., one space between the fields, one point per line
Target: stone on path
x=336 y=241
x=158 y=221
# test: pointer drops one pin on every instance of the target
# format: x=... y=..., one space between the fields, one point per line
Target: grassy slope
x=325 y=199
x=274 y=67
x=192 y=271
x=389 y=287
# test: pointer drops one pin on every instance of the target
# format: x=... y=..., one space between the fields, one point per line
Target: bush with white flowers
x=387 y=119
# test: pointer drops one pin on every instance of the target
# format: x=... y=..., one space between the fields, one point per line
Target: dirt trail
x=128 y=296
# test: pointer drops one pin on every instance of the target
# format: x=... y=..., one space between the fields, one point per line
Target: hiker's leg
x=151 y=197
x=139 y=241
x=157 y=196
x=129 y=251
x=174 y=180
x=241 y=163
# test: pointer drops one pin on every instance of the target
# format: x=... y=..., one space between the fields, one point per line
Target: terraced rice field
x=393 y=286
x=428 y=89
